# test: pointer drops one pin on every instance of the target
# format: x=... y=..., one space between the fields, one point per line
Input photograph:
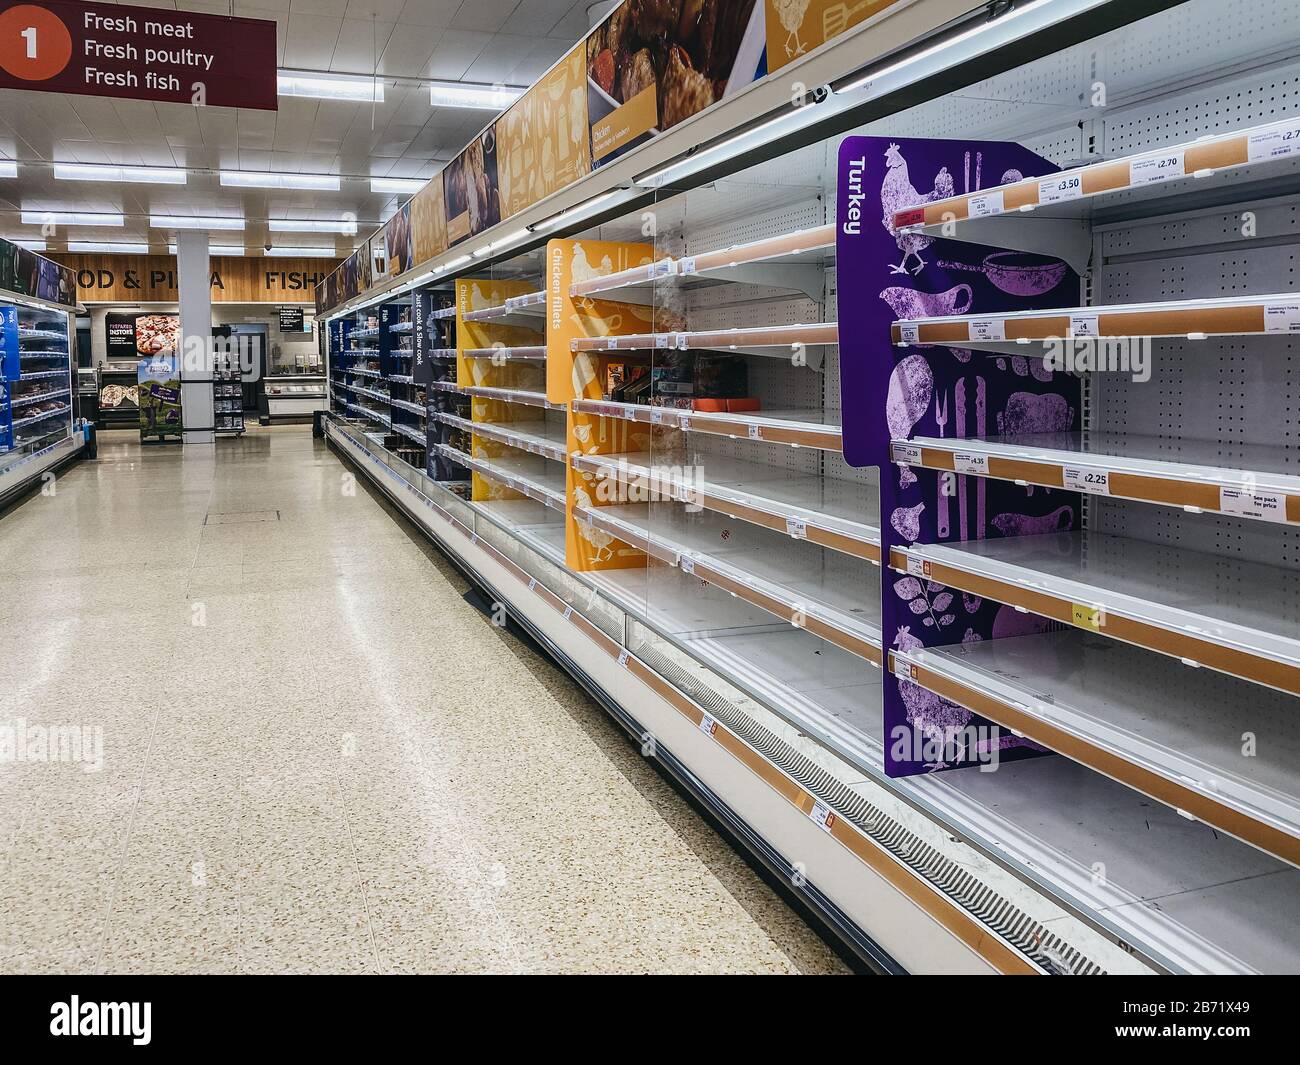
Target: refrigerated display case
x=37 y=428
x=924 y=496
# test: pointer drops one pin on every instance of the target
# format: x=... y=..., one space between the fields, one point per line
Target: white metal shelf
x=815 y=429
x=410 y=433
x=526 y=309
x=407 y=405
x=373 y=415
x=794 y=260
x=838 y=515
x=512 y=395
x=1272 y=315
x=527 y=474
x=1056 y=208
x=1235 y=616
x=1241 y=480
x=373 y=393
x=39 y=397
x=505 y=353
x=532 y=437
x=1172 y=733
x=826 y=594
x=34 y=418
x=757 y=340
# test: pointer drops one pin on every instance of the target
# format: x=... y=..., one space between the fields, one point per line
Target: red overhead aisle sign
x=142 y=53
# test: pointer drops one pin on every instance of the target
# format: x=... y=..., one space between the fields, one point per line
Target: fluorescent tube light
x=397 y=186
x=478 y=97
x=71 y=218
x=302 y=253
x=292 y=225
x=105 y=246
x=322 y=86
x=993 y=24
x=252 y=179
x=144 y=175
x=8 y=168
x=577 y=210
x=215 y=249
x=30 y=245
x=169 y=221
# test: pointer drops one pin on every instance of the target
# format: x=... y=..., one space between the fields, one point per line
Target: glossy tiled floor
x=315 y=756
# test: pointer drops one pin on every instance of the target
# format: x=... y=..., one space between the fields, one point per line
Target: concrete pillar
x=193 y=280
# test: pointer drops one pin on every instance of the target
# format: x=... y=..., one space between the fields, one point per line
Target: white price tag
x=708 y=725
x=909 y=334
x=656 y=417
x=684 y=422
x=1060 y=188
x=965 y=462
x=686 y=265
x=568 y=612
x=1272 y=143
x=1083 y=325
x=987 y=329
x=622 y=658
x=903 y=669
x=687 y=564
x=755 y=432
x=680 y=341
x=917 y=567
x=663 y=340
x=989 y=203
x=1156 y=168
x=532 y=584
x=907 y=454
x=611 y=342
x=796 y=528
x=1263 y=506
x=823 y=816
x=1079 y=479
x=1282 y=317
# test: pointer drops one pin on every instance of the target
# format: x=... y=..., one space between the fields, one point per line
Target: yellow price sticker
x=1089 y=617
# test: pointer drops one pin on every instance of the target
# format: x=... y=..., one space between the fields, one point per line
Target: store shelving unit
x=228 y=397
x=1137 y=574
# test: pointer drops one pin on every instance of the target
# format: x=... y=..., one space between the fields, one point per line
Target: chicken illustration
x=896 y=192
x=791 y=13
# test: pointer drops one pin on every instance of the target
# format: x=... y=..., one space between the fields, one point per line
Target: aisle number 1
x=35 y=44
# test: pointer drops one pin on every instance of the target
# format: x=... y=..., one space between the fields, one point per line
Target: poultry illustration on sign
x=795 y=27
x=886 y=275
x=583 y=375
x=654 y=63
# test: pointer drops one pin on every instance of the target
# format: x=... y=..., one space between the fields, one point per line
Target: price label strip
x=1079 y=479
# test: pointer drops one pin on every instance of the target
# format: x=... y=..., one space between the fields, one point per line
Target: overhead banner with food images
x=469 y=185
x=655 y=63
x=428 y=221
x=398 y=243
x=650 y=65
x=542 y=142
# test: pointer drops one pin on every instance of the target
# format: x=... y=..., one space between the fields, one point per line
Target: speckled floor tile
x=318 y=757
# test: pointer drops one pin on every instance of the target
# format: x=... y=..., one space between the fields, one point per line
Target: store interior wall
x=285 y=348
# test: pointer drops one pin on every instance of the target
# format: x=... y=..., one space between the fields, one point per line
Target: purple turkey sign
x=887 y=276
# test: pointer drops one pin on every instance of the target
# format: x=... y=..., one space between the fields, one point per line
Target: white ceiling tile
x=429 y=12
x=493 y=15
x=311 y=41
x=538 y=16
x=383 y=10
x=359 y=45
x=407 y=53
x=456 y=50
